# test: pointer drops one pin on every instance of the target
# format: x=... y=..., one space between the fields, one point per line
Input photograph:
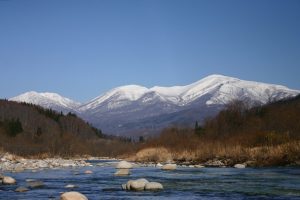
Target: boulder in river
x=239 y=166
x=7 y=180
x=22 y=189
x=138 y=184
x=122 y=172
x=141 y=184
x=169 y=167
x=73 y=196
x=124 y=165
x=88 y=172
x=153 y=186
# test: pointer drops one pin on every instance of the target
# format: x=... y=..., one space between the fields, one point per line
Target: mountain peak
x=47 y=100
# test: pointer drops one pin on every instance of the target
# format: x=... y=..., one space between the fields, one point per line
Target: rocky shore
x=9 y=162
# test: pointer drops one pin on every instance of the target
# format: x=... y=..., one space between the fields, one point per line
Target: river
x=183 y=183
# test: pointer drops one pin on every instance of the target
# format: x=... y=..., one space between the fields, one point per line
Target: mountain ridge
x=116 y=110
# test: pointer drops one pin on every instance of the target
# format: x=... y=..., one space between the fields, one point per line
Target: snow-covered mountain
x=135 y=108
x=48 y=100
x=139 y=110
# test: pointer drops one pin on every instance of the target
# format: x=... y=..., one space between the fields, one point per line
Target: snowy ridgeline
x=126 y=104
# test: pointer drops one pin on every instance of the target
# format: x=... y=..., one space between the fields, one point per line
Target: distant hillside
x=28 y=129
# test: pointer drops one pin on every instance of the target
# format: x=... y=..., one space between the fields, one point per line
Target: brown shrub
x=160 y=154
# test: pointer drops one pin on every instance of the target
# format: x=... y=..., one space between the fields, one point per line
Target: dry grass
x=159 y=154
x=184 y=146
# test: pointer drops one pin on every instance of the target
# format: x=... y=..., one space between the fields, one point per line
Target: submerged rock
x=35 y=184
x=239 y=166
x=88 y=172
x=7 y=180
x=22 y=189
x=122 y=172
x=73 y=196
x=169 y=167
x=153 y=186
x=124 y=186
x=70 y=186
x=124 y=165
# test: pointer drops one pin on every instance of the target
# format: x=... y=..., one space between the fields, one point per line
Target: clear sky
x=82 y=48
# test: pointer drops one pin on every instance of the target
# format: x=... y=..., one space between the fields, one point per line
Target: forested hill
x=30 y=129
x=276 y=118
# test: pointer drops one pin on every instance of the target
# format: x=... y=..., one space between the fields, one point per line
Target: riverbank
x=14 y=163
x=218 y=154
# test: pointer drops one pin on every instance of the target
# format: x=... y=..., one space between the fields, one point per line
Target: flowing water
x=183 y=183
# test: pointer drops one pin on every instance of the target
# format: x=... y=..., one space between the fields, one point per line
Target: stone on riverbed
x=159 y=165
x=214 y=163
x=138 y=184
x=122 y=172
x=70 y=186
x=239 y=166
x=153 y=186
x=124 y=165
x=169 y=167
x=141 y=184
x=22 y=189
x=35 y=184
x=73 y=196
x=7 y=180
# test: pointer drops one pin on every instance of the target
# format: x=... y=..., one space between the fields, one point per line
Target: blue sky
x=81 y=48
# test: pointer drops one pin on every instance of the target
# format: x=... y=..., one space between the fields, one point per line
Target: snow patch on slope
x=119 y=96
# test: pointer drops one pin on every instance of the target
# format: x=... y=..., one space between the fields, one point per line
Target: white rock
x=128 y=184
x=122 y=172
x=73 y=196
x=239 y=166
x=169 y=167
x=138 y=184
x=124 y=165
x=159 y=165
x=199 y=166
x=7 y=180
x=153 y=186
